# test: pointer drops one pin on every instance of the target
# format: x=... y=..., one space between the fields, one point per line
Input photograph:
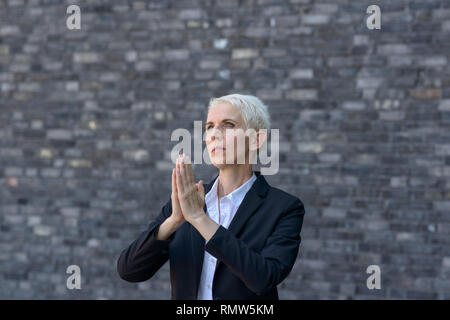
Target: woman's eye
x=226 y=124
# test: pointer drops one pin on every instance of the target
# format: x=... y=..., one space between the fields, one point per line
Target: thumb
x=201 y=189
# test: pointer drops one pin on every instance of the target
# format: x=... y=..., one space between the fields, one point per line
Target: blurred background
x=86 y=118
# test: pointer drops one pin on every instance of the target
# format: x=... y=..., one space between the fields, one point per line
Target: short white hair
x=253 y=110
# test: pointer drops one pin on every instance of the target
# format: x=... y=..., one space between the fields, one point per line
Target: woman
x=234 y=238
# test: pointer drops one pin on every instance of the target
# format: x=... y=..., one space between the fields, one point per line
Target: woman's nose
x=215 y=133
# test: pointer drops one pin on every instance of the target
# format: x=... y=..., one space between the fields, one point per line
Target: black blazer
x=254 y=254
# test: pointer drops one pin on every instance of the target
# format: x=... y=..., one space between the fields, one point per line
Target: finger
x=189 y=171
x=183 y=174
x=174 y=182
x=201 y=188
x=178 y=166
x=200 y=193
x=179 y=180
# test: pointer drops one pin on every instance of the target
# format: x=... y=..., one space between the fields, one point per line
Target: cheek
x=208 y=139
x=232 y=141
x=229 y=140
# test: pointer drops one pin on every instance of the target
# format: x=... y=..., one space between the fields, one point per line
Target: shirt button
x=209 y=287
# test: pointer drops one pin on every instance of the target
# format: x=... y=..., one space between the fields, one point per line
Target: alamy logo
x=74 y=281
x=73 y=22
x=374 y=20
x=374 y=281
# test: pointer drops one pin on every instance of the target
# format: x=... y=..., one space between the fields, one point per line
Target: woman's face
x=224 y=127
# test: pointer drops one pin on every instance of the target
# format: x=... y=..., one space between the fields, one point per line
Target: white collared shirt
x=228 y=207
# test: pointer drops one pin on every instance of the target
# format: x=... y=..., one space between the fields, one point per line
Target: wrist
x=198 y=218
x=205 y=225
x=173 y=223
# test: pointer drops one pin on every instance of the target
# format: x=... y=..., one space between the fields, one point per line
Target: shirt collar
x=236 y=196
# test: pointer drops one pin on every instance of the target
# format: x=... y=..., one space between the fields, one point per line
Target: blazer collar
x=260 y=185
x=236 y=196
x=251 y=202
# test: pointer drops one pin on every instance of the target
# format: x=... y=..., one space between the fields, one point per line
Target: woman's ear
x=257 y=139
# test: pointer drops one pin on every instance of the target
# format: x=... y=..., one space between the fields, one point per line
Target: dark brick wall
x=364 y=118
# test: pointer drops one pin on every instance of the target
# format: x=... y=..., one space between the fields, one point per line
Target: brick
x=329 y=157
x=43 y=231
x=446 y=262
x=302 y=94
x=244 y=53
x=360 y=39
x=393 y=49
x=354 y=105
x=180 y=54
x=50 y=173
x=137 y=155
x=423 y=93
x=220 y=43
x=392 y=115
x=400 y=61
x=255 y=32
x=224 y=22
x=302 y=74
x=9 y=30
x=442 y=205
x=444 y=105
x=446 y=26
x=369 y=82
x=210 y=64
x=315 y=19
x=270 y=94
x=59 y=134
x=310 y=147
x=86 y=57
x=188 y=14
x=79 y=163
x=434 y=61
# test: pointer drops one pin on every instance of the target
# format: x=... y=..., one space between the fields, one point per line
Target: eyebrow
x=209 y=122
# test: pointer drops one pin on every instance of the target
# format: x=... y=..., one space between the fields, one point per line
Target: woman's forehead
x=224 y=110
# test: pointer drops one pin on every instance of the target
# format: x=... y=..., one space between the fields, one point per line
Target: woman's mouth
x=217 y=149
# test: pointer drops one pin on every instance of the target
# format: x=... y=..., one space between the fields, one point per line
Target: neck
x=232 y=177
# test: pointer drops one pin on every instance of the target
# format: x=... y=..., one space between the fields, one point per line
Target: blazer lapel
x=251 y=202
x=198 y=244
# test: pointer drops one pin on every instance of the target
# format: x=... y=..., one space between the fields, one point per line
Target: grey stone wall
x=364 y=117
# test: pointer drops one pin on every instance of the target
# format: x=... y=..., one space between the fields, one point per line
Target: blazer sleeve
x=146 y=255
x=262 y=271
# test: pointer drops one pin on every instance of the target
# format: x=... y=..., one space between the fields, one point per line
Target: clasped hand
x=188 y=197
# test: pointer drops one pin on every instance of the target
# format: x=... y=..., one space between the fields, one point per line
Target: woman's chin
x=218 y=160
